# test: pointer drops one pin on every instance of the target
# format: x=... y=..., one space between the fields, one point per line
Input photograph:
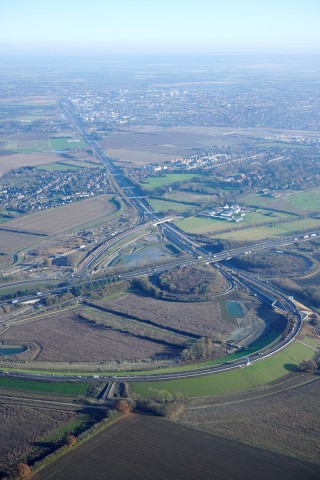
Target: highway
x=204 y=258
x=121 y=184
x=262 y=290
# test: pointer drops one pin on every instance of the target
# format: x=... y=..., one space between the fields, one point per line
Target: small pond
x=12 y=349
x=234 y=309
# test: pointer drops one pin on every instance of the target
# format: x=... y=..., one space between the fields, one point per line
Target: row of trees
x=23 y=471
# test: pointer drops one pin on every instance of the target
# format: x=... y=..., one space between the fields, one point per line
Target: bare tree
x=23 y=470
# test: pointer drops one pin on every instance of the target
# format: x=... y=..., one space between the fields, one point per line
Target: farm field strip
x=20 y=243
x=27 y=431
x=59 y=388
x=135 y=157
x=130 y=324
x=34 y=159
x=232 y=381
x=59 y=218
x=59 y=166
x=285 y=421
x=214 y=226
x=165 y=205
x=263 y=232
x=180 y=316
x=170 y=451
x=35 y=286
x=295 y=202
x=67 y=337
x=168 y=179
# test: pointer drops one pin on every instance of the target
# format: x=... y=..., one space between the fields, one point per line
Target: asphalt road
x=260 y=289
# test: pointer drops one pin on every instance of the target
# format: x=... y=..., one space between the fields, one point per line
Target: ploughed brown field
x=287 y=422
x=66 y=216
x=65 y=337
x=12 y=241
x=17 y=160
x=199 y=318
x=150 y=448
x=22 y=427
x=29 y=229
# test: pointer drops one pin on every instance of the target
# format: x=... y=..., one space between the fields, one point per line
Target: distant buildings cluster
x=230 y=213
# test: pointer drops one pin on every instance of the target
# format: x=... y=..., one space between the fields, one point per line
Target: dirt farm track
x=151 y=448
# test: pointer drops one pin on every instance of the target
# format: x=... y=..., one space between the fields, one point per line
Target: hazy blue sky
x=164 y=26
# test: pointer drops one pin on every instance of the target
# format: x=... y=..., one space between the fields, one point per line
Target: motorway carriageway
x=258 y=288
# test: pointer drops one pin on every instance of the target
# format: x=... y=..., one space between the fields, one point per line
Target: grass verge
x=237 y=380
x=60 y=388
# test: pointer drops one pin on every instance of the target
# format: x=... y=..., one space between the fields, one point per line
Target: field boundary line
x=306 y=345
x=269 y=394
x=81 y=442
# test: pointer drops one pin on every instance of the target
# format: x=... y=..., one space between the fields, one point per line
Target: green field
x=260 y=233
x=155 y=182
x=297 y=202
x=45 y=145
x=83 y=164
x=236 y=380
x=164 y=205
x=28 y=146
x=190 y=197
x=305 y=201
x=72 y=426
x=60 y=388
x=67 y=143
x=57 y=166
x=31 y=286
x=213 y=225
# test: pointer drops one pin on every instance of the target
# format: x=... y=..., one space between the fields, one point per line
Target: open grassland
x=153 y=448
x=32 y=144
x=154 y=182
x=287 y=422
x=30 y=113
x=133 y=327
x=29 y=146
x=25 y=432
x=33 y=101
x=59 y=167
x=190 y=197
x=158 y=140
x=34 y=228
x=17 y=160
x=162 y=206
x=58 y=388
x=260 y=233
x=136 y=158
x=202 y=319
x=236 y=380
x=12 y=241
x=67 y=143
x=67 y=164
x=66 y=337
x=304 y=201
x=296 y=202
x=213 y=225
x=65 y=217
x=34 y=286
